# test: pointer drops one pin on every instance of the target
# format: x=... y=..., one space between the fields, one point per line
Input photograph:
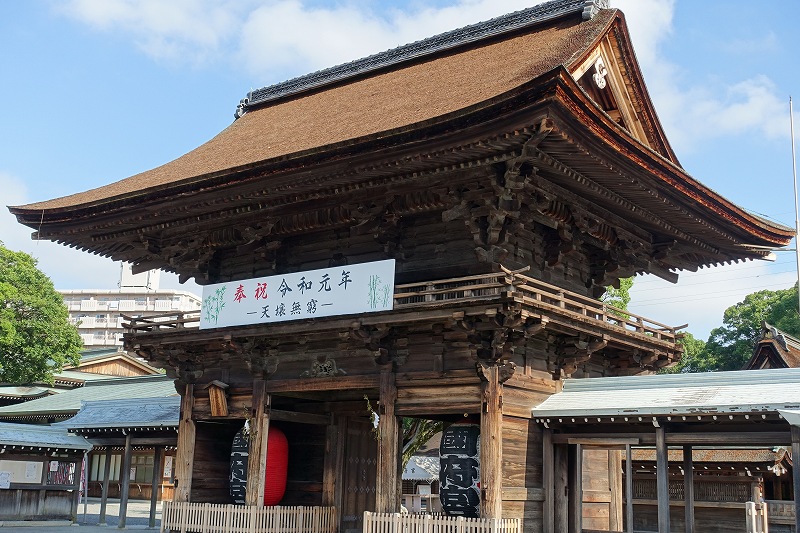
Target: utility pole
x=796 y=209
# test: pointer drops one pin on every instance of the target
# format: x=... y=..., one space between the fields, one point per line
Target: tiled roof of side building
x=67 y=403
x=151 y=413
x=48 y=437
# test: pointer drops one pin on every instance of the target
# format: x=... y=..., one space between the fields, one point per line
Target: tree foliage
x=730 y=346
x=36 y=338
x=618 y=297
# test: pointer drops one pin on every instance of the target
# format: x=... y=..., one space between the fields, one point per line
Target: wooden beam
x=300 y=418
x=603 y=442
x=575 y=489
x=688 y=487
x=662 y=480
x=259 y=433
x=387 y=497
x=491 y=454
x=155 y=484
x=125 y=474
x=548 y=481
x=796 y=476
x=333 y=463
x=628 y=489
x=615 y=485
x=104 y=497
x=135 y=441
x=323 y=384
x=184 y=457
x=560 y=487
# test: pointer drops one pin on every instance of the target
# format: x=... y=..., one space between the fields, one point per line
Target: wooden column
x=387 y=497
x=155 y=484
x=688 y=487
x=334 y=462
x=491 y=455
x=561 y=487
x=796 y=476
x=662 y=480
x=259 y=431
x=104 y=496
x=184 y=457
x=615 y=485
x=628 y=489
x=548 y=482
x=125 y=474
x=575 y=511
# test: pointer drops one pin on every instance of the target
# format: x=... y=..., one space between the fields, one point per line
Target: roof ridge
x=424 y=47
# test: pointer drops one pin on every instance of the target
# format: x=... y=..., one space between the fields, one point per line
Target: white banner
x=344 y=290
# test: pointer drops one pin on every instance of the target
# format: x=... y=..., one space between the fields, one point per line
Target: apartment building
x=98 y=312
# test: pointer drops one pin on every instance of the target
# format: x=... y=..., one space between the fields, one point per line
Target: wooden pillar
x=796 y=476
x=334 y=462
x=491 y=455
x=575 y=511
x=259 y=432
x=560 y=487
x=548 y=481
x=387 y=497
x=662 y=480
x=688 y=487
x=155 y=484
x=628 y=489
x=126 y=481
x=104 y=496
x=615 y=485
x=184 y=457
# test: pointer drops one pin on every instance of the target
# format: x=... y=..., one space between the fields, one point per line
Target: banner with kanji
x=343 y=290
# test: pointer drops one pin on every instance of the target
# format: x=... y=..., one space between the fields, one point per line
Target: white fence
x=219 y=518
x=407 y=523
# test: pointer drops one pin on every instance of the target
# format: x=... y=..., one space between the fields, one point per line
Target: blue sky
x=97 y=90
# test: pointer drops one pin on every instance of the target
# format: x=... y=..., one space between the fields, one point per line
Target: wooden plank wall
x=522 y=472
x=212 y=455
x=602 y=489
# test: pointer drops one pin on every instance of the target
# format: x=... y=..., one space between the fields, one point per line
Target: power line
x=723 y=280
x=704 y=296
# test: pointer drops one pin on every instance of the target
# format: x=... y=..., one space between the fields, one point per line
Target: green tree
x=730 y=346
x=693 y=354
x=36 y=338
x=618 y=297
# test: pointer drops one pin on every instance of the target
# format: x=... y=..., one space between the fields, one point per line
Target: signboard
x=343 y=290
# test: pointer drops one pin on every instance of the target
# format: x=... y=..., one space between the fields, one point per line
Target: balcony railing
x=220 y=518
x=534 y=295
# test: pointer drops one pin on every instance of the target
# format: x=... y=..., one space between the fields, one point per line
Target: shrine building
x=421 y=233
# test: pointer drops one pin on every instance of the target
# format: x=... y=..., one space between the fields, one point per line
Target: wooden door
x=359 y=476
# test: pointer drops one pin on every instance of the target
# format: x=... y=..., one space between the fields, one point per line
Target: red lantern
x=277 y=466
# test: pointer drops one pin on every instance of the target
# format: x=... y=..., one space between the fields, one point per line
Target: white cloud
x=191 y=30
x=696 y=110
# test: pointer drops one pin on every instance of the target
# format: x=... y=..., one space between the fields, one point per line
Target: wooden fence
x=416 y=523
x=220 y=518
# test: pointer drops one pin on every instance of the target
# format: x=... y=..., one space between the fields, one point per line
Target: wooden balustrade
x=534 y=295
x=187 y=517
x=419 y=523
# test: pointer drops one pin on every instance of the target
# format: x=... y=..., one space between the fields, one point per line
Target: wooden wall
x=522 y=472
x=602 y=489
x=212 y=456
